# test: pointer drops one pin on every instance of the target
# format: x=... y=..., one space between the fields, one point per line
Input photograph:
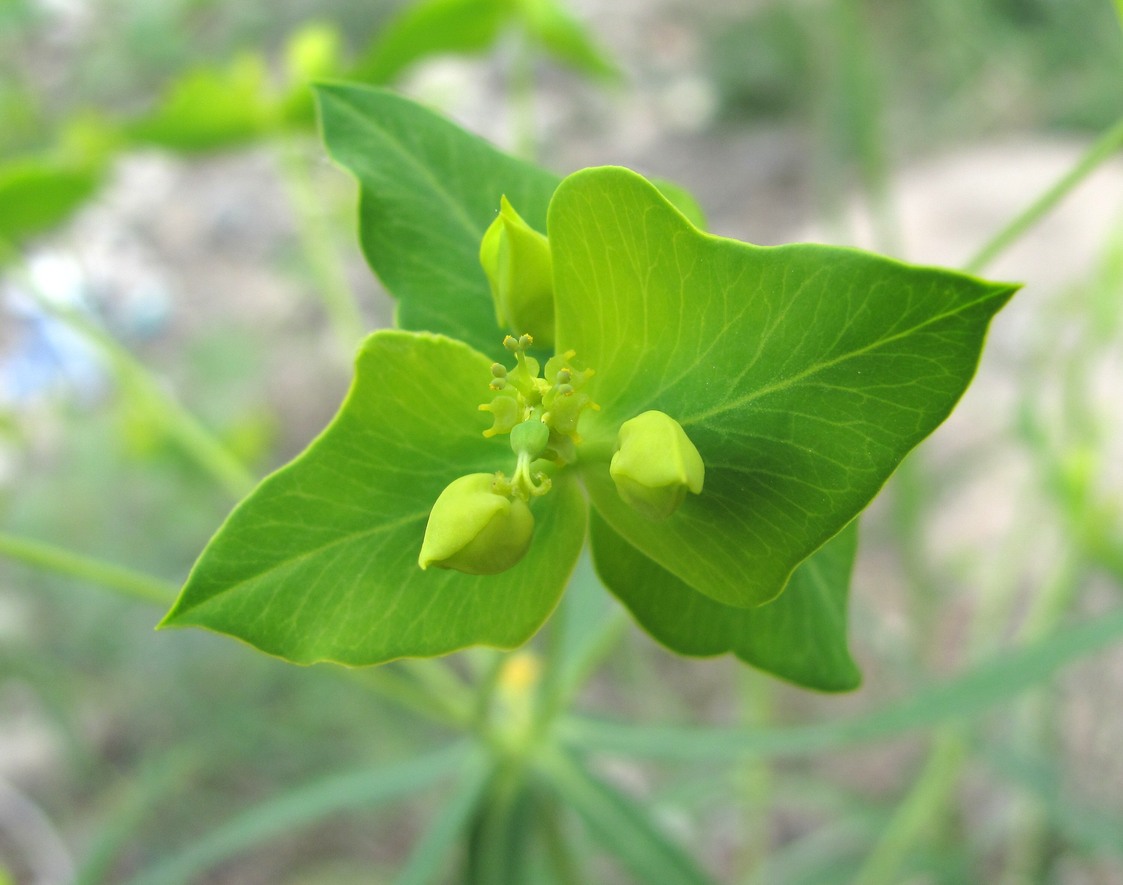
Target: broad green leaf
x=800 y=637
x=436 y=27
x=211 y=108
x=802 y=373
x=320 y=562
x=428 y=192
x=37 y=194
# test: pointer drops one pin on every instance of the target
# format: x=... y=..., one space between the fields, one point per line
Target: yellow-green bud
x=655 y=465
x=474 y=529
x=516 y=259
x=313 y=51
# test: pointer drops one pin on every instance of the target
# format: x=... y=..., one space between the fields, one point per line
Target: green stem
x=931 y=795
x=184 y=428
x=562 y=856
x=485 y=691
x=430 y=854
x=520 y=95
x=566 y=686
x=916 y=816
x=124 y=581
x=756 y=779
x=1106 y=145
x=318 y=244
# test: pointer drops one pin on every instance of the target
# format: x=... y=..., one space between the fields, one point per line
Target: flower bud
x=655 y=465
x=516 y=259
x=474 y=529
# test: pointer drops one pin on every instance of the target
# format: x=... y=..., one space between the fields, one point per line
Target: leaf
x=428 y=192
x=320 y=561
x=436 y=27
x=800 y=637
x=619 y=824
x=984 y=687
x=802 y=373
x=276 y=818
x=683 y=200
x=553 y=27
x=210 y=108
x=37 y=194
x=430 y=852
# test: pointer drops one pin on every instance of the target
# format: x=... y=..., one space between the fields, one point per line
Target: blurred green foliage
x=157 y=742
x=947 y=69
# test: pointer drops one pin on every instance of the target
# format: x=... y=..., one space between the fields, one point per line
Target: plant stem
x=562 y=856
x=755 y=777
x=520 y=98
x=194 y=439
x=1106 y=145
x=318 y=244
x=914 y=818
x=57 y=559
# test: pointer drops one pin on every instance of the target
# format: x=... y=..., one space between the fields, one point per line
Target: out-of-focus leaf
x=620 y=825
x=565 y=38
x=38 y=194
x=279 y=817
x=432 y=28
x=211 y=108
x=983 y=687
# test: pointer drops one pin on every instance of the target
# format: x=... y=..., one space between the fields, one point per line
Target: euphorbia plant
x=711 y=415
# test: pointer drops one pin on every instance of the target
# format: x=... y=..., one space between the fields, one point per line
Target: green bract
x=516 y=259
x=800 y=376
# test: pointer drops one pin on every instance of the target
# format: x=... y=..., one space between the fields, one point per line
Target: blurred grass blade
x=620 y=826
x=124 y=581
x=132 y=801
x=431 y=850
x=144 y=389
x=303 y=807
x=981 y=688
x=1102 y=149
x=919 y=814
x=1095 y=831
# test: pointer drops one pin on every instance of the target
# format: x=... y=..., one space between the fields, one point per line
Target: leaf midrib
x=784 y=384
x=426 y=175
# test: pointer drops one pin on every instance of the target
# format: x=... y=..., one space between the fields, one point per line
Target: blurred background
x=181 y=290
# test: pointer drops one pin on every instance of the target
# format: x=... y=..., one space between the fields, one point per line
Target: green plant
x=801 y=375
x=526 y=762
